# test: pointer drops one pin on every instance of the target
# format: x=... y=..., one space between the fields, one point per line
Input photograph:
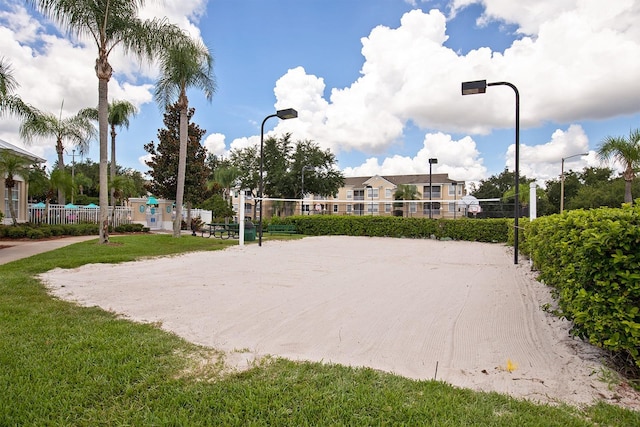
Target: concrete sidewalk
x=12 y=250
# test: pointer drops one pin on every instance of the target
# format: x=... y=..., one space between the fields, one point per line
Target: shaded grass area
x=61 y=364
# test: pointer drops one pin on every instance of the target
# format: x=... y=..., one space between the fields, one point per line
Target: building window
x=434 y=211
x=335 y=208
x=452 y=189
x=349 y=208
x=413 y=207
x=388 y=193
x=349 y=194
x=15 y=193
x=387 y=207
x=435 y=192
x=372 y=193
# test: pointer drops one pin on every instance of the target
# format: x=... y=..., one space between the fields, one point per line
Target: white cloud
x=214 y=143
x=69 y=83
x=577 y=60
x=544 y=161
x=142 y=160
x=240 y=143
x=459 y=159
x=581 y=61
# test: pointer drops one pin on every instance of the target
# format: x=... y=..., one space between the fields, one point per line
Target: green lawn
x=64 y=365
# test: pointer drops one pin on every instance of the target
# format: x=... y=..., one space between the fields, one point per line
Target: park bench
x=282 y=229
x=222 y=231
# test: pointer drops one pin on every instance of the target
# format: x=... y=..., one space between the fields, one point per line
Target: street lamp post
x=431 y=163
x=455 y=197
x=289 y=113
x=370 y=189
x=304 y=168
x=73 y=173
x=562 y=178
x=480 y=86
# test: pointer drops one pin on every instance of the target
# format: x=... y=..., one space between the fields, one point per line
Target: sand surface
x=460 y=312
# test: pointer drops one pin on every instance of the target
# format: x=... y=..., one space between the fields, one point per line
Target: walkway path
x=12 y=250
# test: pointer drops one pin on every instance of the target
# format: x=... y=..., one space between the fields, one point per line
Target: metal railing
x=61 y=214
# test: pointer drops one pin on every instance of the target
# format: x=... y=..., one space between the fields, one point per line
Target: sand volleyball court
x=460 y=312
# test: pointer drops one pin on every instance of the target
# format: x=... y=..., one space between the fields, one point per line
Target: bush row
x=43 y=231
x=592 y=260
x=486 y=230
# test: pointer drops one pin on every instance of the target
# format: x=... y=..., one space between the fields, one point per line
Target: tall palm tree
x=110 y=23
x=10 y=103
x=627 y=153
x=226 y=176
x=183 y=67
x=12 y=165
x=406 y=192
x=119 y=113
x=78 y=130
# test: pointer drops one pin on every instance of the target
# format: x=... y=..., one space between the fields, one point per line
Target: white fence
x=64 y=214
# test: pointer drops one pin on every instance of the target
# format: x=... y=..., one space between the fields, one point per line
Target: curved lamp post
x=562 y=178
x=289 y=113
x=480 y=86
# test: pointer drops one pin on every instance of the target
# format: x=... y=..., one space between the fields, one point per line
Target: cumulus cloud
x=460 y=159
x=214 y=143
x=579 y=60
x=576 y=60
x=69 y=83
x=544 y=161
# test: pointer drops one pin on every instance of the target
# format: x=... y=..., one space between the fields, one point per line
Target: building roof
x=437 y=178
x=4 y=145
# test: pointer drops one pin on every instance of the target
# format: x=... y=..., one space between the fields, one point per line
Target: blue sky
x=376 y=81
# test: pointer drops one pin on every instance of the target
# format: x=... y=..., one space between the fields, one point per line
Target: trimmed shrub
x=130 y=228
x=484 y=230
x=592 y=260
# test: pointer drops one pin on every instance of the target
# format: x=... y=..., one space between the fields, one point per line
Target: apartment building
x=374 y=195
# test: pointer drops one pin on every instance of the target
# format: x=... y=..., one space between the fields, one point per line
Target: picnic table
x=220 y=230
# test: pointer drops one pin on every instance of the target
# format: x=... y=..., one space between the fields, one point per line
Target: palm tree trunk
x=12 y=209
x=113 y=164
x=103 y=115
x=628 y=198
x=60 y=153
x=182 y=165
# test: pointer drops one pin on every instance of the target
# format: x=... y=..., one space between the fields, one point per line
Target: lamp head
x=471 y=88
x=289 y=113
x=433 y=161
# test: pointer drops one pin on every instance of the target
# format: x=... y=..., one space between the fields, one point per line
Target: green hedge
x=479 y=230
x=43 y=231
x=592 y=260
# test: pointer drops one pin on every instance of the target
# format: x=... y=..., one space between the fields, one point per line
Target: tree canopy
x=284 y=160
x=164 y=160
x=625 y=151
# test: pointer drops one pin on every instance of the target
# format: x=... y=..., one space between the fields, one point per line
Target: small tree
x=77 y=130
x=627 y=153
x=165 y=158
x=406 y=192
x=10 y=103
x=12 y=165
x=184 y=66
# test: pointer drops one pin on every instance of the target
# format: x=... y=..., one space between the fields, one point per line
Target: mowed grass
x=65 y=365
